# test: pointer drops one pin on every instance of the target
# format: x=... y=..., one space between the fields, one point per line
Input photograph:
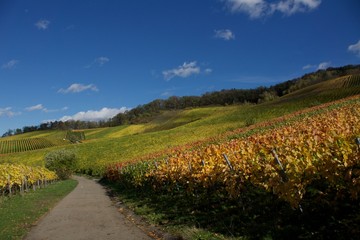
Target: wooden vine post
x=228 y=161
x=156 y=165
x=26 y=184
x=282 y=172
x=9 y=184
x=22 y=186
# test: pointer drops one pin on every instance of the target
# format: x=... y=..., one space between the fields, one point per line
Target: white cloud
x=166 y=94
x=289 y=7
x=320 y=66
x=355 y=48
x=37 y=107
x=93 y=115
x=309 y=66
x=185 y=70
x=10 y=64
x=49 y=121
x=100 y=61
x=8 y=112
x=225 y=34
x=260 y=8
x=208 y=71
x=42 y=24
x=54 y=110
x=40 y=107
x=254 y=8
x=70 y=27
x=77 y=87
x=324 y=65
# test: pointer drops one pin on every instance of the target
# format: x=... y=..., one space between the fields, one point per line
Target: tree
x=8 y=133
x=63 y=162
x=268 y=96
x=18 y=131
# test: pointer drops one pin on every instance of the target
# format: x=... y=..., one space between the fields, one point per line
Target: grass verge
x=18 y=213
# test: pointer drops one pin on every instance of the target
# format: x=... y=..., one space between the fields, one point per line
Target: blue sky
x=88 y=60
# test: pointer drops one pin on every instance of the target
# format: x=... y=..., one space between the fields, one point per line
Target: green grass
x=18 y=213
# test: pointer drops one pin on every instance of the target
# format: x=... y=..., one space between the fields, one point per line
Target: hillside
x=147 y=112
x=180 y=127
x=328 y=90
x=293 y=177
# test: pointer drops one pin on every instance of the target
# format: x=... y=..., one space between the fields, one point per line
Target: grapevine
x=20 y=177
x=285 y=160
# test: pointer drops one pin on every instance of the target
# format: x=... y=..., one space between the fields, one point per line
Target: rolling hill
x=176 y=128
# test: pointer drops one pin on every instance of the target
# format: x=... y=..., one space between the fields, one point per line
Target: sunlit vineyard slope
x=182 y=127
x=284 y=160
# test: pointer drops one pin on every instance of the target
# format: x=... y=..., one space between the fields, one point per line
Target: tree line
x=144 y=113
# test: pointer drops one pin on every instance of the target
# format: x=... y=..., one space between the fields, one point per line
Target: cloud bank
x=93 y=115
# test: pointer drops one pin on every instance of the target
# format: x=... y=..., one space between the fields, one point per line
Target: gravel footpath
x=86 y=213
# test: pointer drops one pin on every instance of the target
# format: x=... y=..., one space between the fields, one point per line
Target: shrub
x=63 y=162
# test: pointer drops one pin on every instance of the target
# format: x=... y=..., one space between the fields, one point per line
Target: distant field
x=174 y=128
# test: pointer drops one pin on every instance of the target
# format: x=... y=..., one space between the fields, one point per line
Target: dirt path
x=86 y=213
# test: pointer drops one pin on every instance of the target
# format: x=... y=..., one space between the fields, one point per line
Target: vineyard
x=327 y=91
x=285 y=160
x=353 y=81
x=307 y=162
x=27 y=144
x=34 y=143
x=21 y=178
